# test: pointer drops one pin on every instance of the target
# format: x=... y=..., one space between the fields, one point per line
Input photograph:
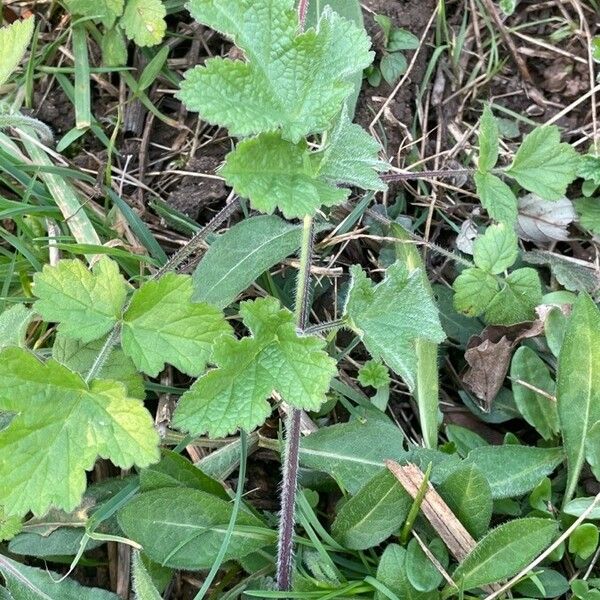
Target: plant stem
x=287 y=518
x=302 y=10
x=408 y=175
x=104 y=354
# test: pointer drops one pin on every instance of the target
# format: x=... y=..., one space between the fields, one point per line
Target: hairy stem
x=409 y=175
x=302 y=10
x=104 y=354
x=287 y=518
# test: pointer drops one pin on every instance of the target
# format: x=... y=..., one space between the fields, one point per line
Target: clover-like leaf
x=543 y=165
x=61 y=425
x=291 y=81
x=86 y=304
x=144 y=21
x=274 y=358
x=391 y=315
x=162 y=326
x=14 y=40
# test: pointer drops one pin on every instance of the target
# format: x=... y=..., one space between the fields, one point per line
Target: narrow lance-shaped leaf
x=488 y=140
x=274 y=358
x=297 y=84
x=504 y=551
x=143 y=586
x=578 y=385
x=61 y=426
x=391 y=315
x=427 y=378
x=192 y=525
x=29 y=583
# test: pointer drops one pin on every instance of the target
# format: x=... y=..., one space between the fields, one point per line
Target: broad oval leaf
x=468 y=494
x=514 y=470
x=143 y=586
x=391 y=572
x=240 y=255
x=373 y=514
x=192 y=525
x=538 y=410
x=504 y=551
x=144 y=21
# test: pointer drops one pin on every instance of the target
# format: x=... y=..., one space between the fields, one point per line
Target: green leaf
x=144 y=21
x=276 y=174
x=391 y=571
x=352 y=11
x=61 y=427
x=29 y=583
x=553 y=583
x=80 y=357
x=496 y=250
x=174 y=470
x=538 y=410
x=489 y=143
x=474 y=290
x=584 y=540
x=86 y=304
x=114 y=48
x=9 y=526
x=421 y=572
x=400 y=39
x=392 y=66
x=162 y=326
x=242 y=254
x=588 y=210
x=513 y=470
x=592 y=449
x=192 y=526
x=143 y=586
x=464 y=439
x=589 y=168
x=353 y=453
x=274 y=358
x=504 y=552
x=350 y=157
x=578 y=385
x=516 y=301
x=296 y=84
x=391 y=315
x=496 y=197
x=578 y=506
x=105 y=10
x=14 y=323
x=468 y=494
x=543 y=165
x=374 y=374
x=377 y=511
x=14 y=40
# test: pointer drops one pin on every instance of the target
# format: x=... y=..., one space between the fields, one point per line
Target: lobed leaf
x=496 y=250
x=86 y=304
x=144 y=21
x=290 y=81
x=162 y=325
x=543 y=165
x=274 y=358
x=392 y=315
x=496 y=197
x=60 y=428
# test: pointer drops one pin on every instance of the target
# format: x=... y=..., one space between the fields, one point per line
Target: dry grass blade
x=458 y=540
